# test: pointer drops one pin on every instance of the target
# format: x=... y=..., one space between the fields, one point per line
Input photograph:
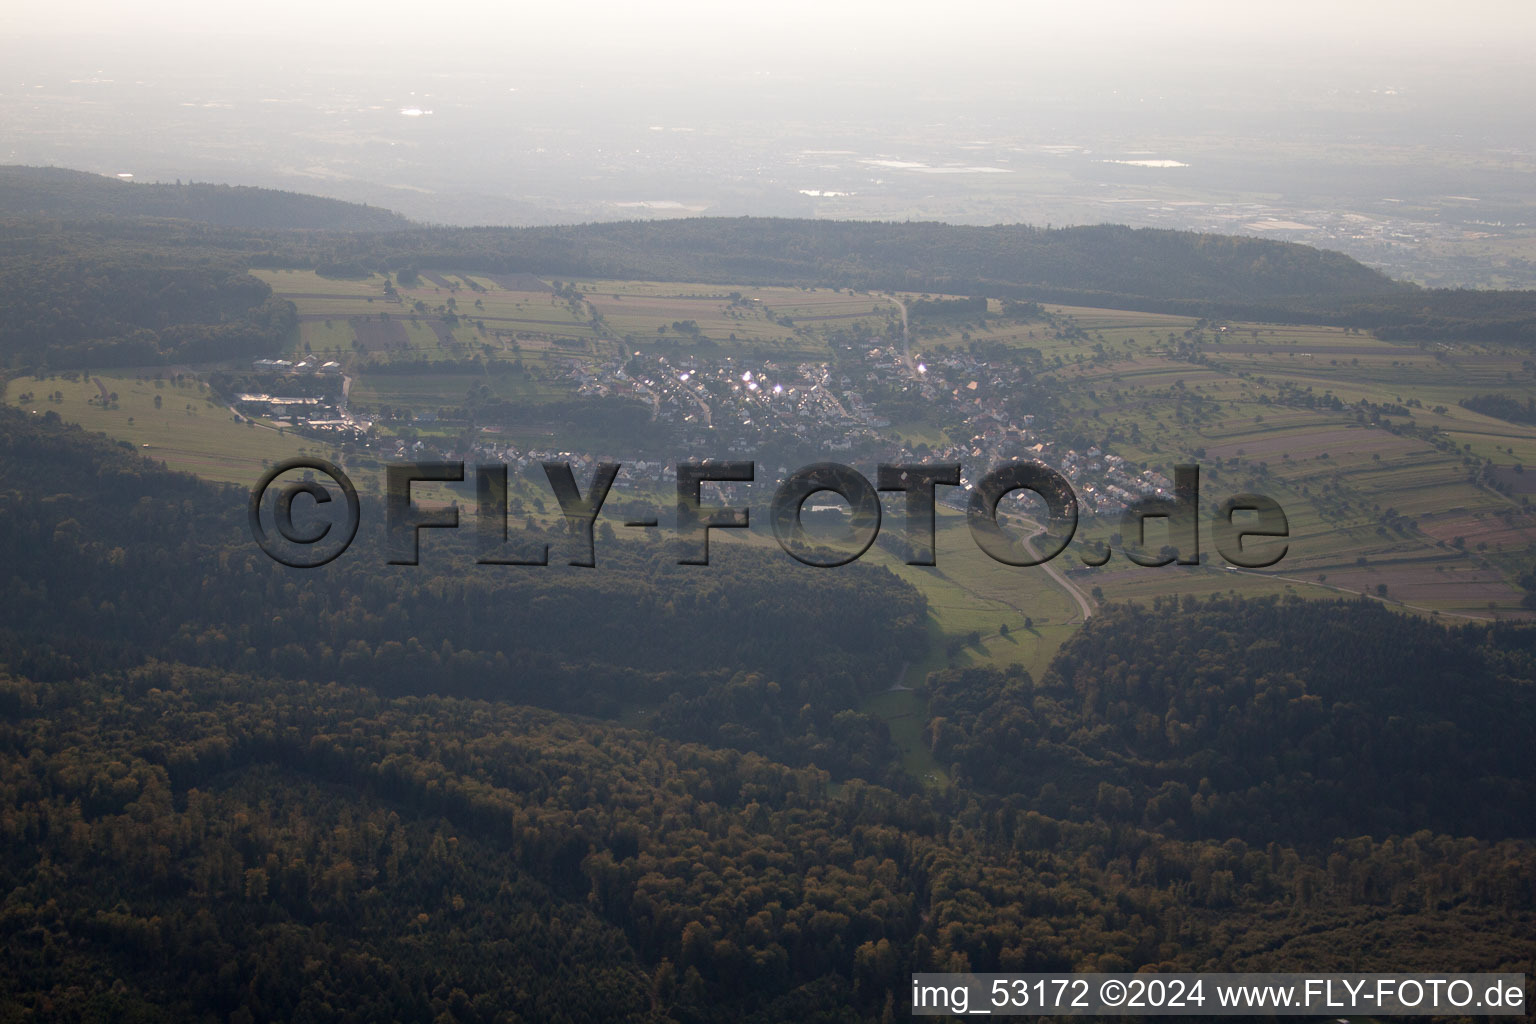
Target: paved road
x=1084 y=602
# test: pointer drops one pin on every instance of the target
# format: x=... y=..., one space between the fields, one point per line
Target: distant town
x=723 y=404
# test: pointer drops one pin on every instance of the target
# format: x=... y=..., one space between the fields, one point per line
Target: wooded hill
x=1260 y=719
x=94 y=535
x=48 y=215
x=75 y=195
x=235 y=792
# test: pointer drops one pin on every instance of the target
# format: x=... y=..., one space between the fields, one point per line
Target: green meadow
x=1394 y=501
x=189 y=430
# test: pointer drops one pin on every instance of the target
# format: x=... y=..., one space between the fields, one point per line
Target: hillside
x=1106 y=265
x=1147 y=268
x=239 y=797
x=78 y=195
x=936 y=257
x=64 y=306
x=1109 y=266
x=590 y=642
x=1261 y=719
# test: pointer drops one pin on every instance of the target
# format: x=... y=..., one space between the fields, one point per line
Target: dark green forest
x=1504 y=407
x=67 y=302
x=73 y=245
x=87 y=519
x=234 y=791
x=451 y=792
x=1259 y=719
x=73 y=195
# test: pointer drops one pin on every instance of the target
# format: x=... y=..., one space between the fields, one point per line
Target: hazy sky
x=672 y=28
x=954 y=49
x=530 y=113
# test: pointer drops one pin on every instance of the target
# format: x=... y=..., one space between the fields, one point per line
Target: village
x=719 y=406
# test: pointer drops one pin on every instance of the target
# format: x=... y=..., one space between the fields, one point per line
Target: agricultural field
x=958 y=332
x=494 y=310
x=650 y=318
x=189 y=430
x=1392 y=501
x=434 y=391
x=448 y=316
x=459 y=318
x=980 y=612
x=764 y=322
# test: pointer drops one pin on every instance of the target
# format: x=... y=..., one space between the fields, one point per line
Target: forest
x=1504 y=407
x=236 y=792
x=1261 y=719
x=69 y=296
x=67 y=306
x=588 y=642
x=77 y=195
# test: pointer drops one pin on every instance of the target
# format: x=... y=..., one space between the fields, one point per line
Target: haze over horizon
x=739 y=596
x=1293 y=124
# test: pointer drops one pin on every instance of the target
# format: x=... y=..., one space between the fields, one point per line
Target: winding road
x=1084 y=602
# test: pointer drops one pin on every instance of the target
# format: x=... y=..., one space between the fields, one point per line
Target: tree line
x=1145 y=269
